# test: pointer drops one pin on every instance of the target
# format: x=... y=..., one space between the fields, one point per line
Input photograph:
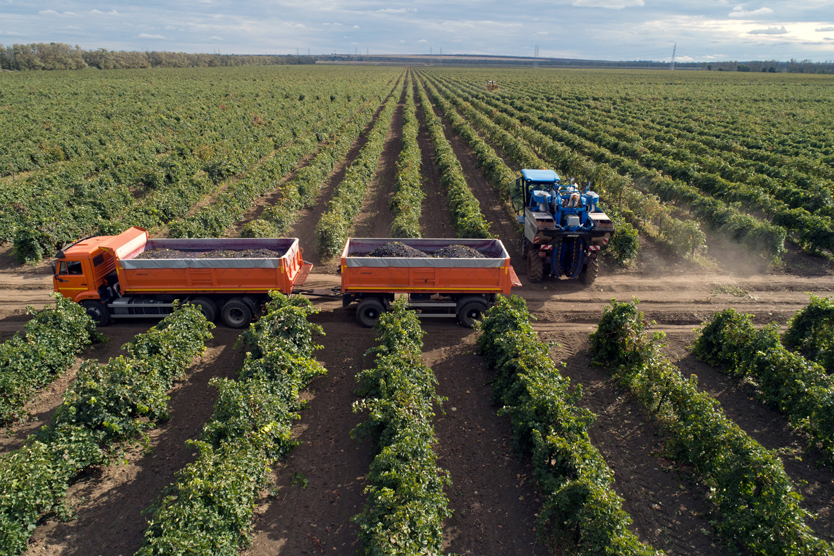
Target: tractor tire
x=97 y=311
x=523 y=246
x=589 y=274
x=368 y=311
x=207 y=306
x=236 y=313
x=535 y=265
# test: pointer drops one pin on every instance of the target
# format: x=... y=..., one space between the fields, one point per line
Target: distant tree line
x=771 y=66
x=60 y=56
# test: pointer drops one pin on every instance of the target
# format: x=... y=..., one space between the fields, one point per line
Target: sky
x=704 y=30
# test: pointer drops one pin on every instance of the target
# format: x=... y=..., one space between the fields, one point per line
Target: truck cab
x=86 y=273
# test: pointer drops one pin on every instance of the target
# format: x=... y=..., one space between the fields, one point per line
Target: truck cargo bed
x=491 y=274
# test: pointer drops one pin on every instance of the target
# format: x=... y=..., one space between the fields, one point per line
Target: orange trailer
x=103 y=274
x=461 y=288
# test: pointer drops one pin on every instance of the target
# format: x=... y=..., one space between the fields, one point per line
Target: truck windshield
x=70 y=268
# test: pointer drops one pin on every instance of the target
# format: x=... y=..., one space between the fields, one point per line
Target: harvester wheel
x=368 y=311
x=535 y=265
x=97 y=311
x=236 y=313
x=590 y=272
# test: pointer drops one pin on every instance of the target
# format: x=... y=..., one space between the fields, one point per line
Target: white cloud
x=769 y=31
x=397 y=10
x=608 y=4
x=422 y=40
x=739 y=11
x=356 y=27
x=99 y=12
x=824 y=29
x=147 y=36
x=48 y=12
x=216 y=38
x=542 y=33
x=12 y=34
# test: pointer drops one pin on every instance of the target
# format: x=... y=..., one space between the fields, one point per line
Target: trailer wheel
x=207 y=306
x=236 y=313
x=471 y=312
x=368 y=311
x=535 y=265
x=97 y=311
x=589 y=274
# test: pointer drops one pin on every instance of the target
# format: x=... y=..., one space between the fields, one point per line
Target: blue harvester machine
x=563 y=228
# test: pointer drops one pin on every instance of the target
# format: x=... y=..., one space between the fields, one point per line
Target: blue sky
x=704 y=30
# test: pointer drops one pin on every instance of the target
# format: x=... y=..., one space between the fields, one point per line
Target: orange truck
x=105 y=276
x=461 y=288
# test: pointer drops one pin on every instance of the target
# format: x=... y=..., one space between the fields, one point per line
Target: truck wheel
x=589 y=274
x=368 y=311
x=236 y=313
x=97 y=311
x=471 y=312
x=535 y=265
x=207 y=306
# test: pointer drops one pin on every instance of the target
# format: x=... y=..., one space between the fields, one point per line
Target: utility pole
x=674 y=49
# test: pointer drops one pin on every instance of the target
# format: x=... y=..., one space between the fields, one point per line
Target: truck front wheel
x=97 y=311
x=368 y=311
x=236 y=313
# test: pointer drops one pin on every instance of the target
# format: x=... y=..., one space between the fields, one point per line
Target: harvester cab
x=564 y=229
x=492 y=85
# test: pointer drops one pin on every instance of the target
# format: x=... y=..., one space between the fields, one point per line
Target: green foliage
x=466 y=210
x=406 y=204
x=335 y=225
x=757 y=506
x=811 y=332
x=799 y=388
x=406 y=505
x=581 y=514
x=106 y=404
x=208 y=510
x=27 y=363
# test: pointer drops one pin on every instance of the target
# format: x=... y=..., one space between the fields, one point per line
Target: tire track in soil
x=305 y=225
x=109 y=519
x=491 y=204
x=768 y=427
x=492 y=494
x=319 y=486
x=376 y=217
x=669 y=509
x=435 y=218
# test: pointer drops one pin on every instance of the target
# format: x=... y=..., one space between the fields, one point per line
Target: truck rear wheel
x=535 y=265
x=368 y=311
x=236 y=313
x=207 y=306
x=97 y=311
x=471 y=312
x=590 y=272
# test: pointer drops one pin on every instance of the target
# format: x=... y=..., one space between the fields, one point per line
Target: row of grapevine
x=208 y=510
x=303 y=189
x=799 y=388
x=811 y=332
x=405 y=505
x=581 y=514
x=53 y=338
x=189 y=149
x=465 y=208
x=757 y=506
x=763 y=237
x=406 y=205
x=814 y=230
x=625 y=244
x=336 y=223
x=106 y=404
